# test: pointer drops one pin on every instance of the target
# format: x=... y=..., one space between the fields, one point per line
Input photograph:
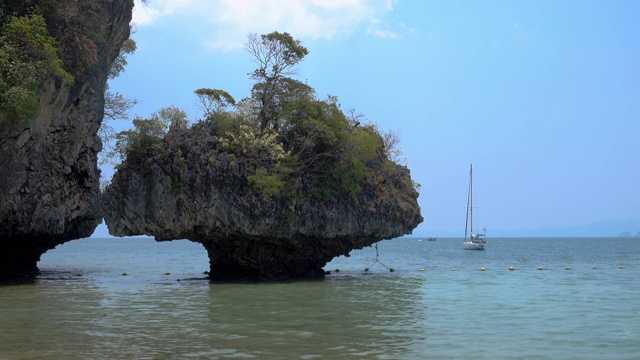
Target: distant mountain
x=604 y=228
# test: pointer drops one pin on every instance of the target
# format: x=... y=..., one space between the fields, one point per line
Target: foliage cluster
x=28 y=56
x=74 y=23
x=39 y=40
x=283 y=131
x=116 y=105
x=146 y=136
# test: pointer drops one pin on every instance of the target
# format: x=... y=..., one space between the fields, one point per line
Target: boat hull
x=468 y=245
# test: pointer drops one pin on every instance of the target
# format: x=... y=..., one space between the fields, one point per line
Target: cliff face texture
x=49 y=180
x=191 y=190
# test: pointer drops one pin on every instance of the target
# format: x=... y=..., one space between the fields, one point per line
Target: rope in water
x=378 y=262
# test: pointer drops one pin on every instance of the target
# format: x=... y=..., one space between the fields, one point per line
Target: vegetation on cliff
x=55 y=57
x=28 y=56
x=281 y=138
x=47 y=40
x=34 y=34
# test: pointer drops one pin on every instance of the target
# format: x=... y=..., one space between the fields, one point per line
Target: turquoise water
x=82 y=307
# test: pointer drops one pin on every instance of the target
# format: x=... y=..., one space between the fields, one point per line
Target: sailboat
x=473 y=241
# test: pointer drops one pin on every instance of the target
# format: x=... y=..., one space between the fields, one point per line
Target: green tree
x=287 y=96
x=15 y=8
x=116 y=105
x=213 y=101
x=173 y=116
x=277 y=55
x=118 y=66
x=146 y=136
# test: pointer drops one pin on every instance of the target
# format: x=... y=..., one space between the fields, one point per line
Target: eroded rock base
x=20 y=258
x=271 y=260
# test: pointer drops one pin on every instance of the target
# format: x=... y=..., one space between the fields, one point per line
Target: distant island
x=603 y=228
x=628 y=234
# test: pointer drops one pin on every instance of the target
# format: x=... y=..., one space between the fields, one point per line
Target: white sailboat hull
x=470 y=245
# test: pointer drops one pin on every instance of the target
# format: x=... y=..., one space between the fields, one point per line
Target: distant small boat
x=474 y=241
x=433 y=238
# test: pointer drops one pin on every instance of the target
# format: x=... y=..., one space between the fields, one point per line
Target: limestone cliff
x=190 y=189
x=49 y=179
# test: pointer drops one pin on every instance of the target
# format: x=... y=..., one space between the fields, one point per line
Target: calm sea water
x=82 y=307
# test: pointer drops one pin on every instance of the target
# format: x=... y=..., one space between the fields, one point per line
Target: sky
x=542 y=96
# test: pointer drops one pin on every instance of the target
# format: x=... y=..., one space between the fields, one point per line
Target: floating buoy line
x=540 y=268
x=423 y=269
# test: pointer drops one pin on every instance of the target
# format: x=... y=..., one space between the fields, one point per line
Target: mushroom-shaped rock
x=192 y=187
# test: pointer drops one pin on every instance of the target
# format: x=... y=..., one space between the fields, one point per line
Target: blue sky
x=542 y=96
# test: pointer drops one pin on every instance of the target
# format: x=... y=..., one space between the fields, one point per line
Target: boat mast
x=471 y=197
x=469 y=204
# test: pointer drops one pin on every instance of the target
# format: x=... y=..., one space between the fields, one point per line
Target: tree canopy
x=276 y=54
x=214 y=101
x=147 y=133
x=116 y=105
x=282 y=130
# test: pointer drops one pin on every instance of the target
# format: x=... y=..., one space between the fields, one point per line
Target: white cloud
x=227 y=22
x=155 y=10
x=386 y=34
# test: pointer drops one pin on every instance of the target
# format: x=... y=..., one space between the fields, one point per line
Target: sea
x=409 y=298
